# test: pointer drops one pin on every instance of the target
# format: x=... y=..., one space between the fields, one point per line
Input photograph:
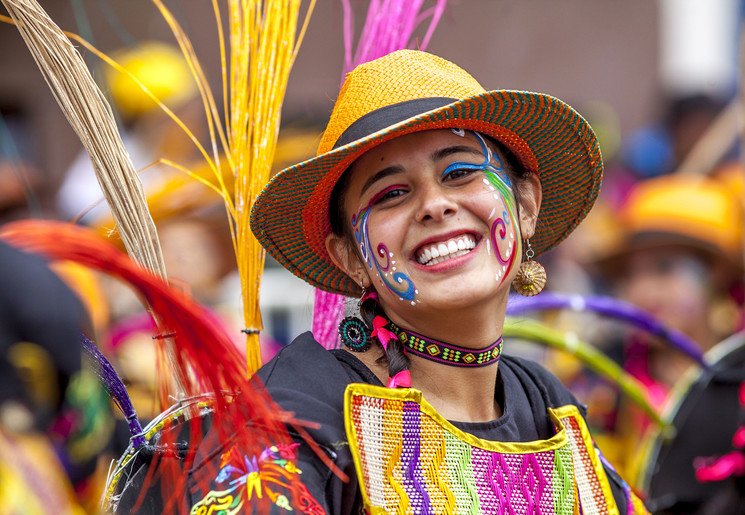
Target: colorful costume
x=316 y=393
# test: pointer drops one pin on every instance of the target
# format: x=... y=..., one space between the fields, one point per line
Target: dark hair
x=394 y=355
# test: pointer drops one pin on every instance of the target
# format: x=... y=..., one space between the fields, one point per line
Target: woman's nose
x=435 y=203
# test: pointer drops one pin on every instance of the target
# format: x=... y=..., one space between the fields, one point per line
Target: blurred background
x=659 y=81
x=632 y=69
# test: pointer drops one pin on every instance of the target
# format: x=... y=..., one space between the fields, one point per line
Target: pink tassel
x=381 y=333
x=739 y=439
x=400 y=380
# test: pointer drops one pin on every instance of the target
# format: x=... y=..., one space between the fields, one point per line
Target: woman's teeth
x=439 y=252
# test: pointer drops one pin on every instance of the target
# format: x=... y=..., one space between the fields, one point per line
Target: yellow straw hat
x=409 y=91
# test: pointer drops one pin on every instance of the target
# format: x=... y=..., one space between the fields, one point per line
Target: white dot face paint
x=504 y=227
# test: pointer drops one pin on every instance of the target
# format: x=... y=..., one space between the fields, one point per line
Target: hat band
x=386 y=116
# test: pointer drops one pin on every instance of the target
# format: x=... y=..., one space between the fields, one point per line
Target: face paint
x=383 y=262
x=504 y=229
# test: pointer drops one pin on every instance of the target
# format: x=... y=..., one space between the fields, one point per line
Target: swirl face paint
x=381 y=259
x=504 y=243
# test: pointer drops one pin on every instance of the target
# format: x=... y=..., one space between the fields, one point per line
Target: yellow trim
x=410 y=394
x=571 y=411
x=414 y=395
x=638 y=505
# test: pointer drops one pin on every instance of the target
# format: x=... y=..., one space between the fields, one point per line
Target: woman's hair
x=340 y=226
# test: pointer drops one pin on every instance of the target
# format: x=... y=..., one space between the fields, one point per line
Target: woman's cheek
x=504 y=241
x=380 y=258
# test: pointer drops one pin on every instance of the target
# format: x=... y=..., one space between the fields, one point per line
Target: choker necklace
x=446 y=353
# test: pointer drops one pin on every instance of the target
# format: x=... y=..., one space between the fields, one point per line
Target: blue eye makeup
x=492 y=165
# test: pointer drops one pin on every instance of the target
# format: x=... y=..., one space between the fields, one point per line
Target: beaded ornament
x=446 y=353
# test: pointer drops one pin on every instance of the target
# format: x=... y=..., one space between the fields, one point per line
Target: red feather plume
x=206 y=356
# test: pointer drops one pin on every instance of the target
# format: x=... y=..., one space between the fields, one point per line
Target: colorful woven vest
x=411 y=460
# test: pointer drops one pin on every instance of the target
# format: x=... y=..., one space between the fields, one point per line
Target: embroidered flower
x=273 y=473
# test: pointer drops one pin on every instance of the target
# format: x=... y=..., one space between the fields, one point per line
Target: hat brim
x=549 y=138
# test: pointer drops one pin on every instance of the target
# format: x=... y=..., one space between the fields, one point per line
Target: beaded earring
x=353 y=332
x=531 y=276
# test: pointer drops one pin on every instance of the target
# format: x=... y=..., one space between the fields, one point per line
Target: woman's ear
x=530 y=204
x=346 y=259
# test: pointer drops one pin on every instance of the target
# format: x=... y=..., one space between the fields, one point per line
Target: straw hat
x=683 y=210
x=409 y=91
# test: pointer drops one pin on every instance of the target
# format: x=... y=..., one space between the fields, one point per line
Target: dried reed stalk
x=91 y=118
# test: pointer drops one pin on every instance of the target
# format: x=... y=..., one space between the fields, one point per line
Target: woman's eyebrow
x=455 y=149
x=437 y=155
x=382 y=174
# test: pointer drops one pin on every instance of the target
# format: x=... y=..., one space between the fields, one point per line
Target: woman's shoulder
x=304 y=375
x=537 y=381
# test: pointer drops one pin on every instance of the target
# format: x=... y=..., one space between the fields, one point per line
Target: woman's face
x=435 y=221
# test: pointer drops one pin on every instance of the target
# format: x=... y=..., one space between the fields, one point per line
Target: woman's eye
x=387 y=194
x=460 y=172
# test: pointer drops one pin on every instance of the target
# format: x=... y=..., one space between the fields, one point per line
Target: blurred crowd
x=664 y=237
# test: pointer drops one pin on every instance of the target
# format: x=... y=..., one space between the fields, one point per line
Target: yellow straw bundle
x=263 y=39
x=263 y=42
x=263 y=49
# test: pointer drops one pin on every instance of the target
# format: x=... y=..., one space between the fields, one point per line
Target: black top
x=308 y=380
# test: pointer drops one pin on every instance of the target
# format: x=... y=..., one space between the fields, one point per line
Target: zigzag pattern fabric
x=410 y=460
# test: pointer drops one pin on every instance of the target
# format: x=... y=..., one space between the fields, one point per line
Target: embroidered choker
x=446 y=353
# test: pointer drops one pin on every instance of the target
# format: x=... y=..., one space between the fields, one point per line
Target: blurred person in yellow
x=675 y=252
x=679 y=258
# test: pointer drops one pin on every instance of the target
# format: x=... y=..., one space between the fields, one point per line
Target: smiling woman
x=424 y=194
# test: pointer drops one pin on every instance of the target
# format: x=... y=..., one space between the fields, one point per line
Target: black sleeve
x=309 y=381
x=305 y=379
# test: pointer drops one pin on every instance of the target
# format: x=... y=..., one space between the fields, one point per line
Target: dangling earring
x=353 y=331
x=531 y=276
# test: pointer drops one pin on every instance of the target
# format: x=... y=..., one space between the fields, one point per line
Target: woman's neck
x=465 y=394
x=466 y=328
x=457 y=393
